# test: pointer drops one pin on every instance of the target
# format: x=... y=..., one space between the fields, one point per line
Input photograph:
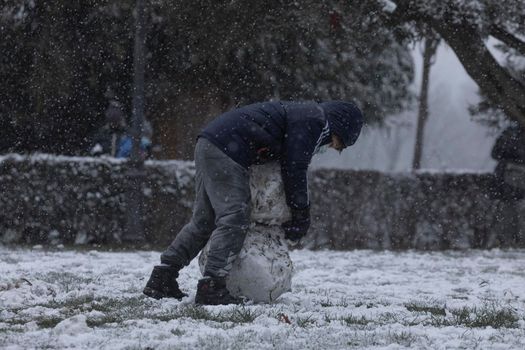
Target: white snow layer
x=339 y=300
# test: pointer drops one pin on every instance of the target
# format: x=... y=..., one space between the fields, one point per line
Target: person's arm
x=301 y=140
x=299 y=145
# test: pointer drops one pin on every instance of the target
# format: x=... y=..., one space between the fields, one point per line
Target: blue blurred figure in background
x=113 y=138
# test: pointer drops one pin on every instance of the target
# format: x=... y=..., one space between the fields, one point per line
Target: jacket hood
x=344 y=119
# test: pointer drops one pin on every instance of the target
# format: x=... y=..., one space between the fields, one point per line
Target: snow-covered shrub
x=49 y=199
x=57 y=199
x=369 y=209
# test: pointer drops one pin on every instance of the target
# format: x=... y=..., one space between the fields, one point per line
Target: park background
x=62 y=63
x=404 y=251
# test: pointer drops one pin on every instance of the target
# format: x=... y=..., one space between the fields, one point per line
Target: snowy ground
x=359 y=299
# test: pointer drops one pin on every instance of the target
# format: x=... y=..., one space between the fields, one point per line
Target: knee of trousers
x=201 y=227
x=239 y=220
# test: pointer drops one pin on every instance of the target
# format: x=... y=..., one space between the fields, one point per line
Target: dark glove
x=297 y=228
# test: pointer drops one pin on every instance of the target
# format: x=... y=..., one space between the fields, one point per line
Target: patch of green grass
x=48 y=322
x=16 y=321
x=11 y=330
x=243 y=315
x=388 y=317
x=99 y=322
x=434 y=310
x=195 y=312
x=368 y=305
x=43 y=321
x=485 y=316
x=81 y=303
x=119 y=309
x=237 y=315
x=132 y=306
x=403 y=338
x=304 y=322
x=461 y=316
x=114 y=309
x=343 y=302
x=326 y=303
x=354 y=320
x=177 y=332
x=66 y=281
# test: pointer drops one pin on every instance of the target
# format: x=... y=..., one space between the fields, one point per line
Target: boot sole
x=152 y=293
x=155 y=294
x=204 y=301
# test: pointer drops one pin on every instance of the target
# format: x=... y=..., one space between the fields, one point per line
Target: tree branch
x=503 y=90
x=401 y=14
x=507 y=38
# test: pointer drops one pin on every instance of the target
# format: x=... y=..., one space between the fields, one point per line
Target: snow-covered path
x=340 y=300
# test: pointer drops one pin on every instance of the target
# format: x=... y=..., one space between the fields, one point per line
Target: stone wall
x=53 y=200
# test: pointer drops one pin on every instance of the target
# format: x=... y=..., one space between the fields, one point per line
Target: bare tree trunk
x=134 y=232
x=431 y=44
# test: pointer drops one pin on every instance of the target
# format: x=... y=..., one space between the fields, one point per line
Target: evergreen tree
x=60 y=58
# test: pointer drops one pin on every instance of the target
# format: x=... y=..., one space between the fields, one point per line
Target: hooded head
x=115 y=116
x=344 y=119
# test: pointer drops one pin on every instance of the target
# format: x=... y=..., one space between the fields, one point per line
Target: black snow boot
x=163 y=283
x=212 y=291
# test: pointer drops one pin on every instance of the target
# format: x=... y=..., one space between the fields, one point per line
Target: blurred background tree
x=58 y=59
x=62 y=60
x=466 y=26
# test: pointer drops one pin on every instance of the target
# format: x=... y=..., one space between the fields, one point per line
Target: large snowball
x=263 y=269
x=268 y=200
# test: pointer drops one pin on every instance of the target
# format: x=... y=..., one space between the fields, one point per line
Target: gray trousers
x=221 y=213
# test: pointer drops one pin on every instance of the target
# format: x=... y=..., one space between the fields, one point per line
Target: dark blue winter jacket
x=288 y=132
